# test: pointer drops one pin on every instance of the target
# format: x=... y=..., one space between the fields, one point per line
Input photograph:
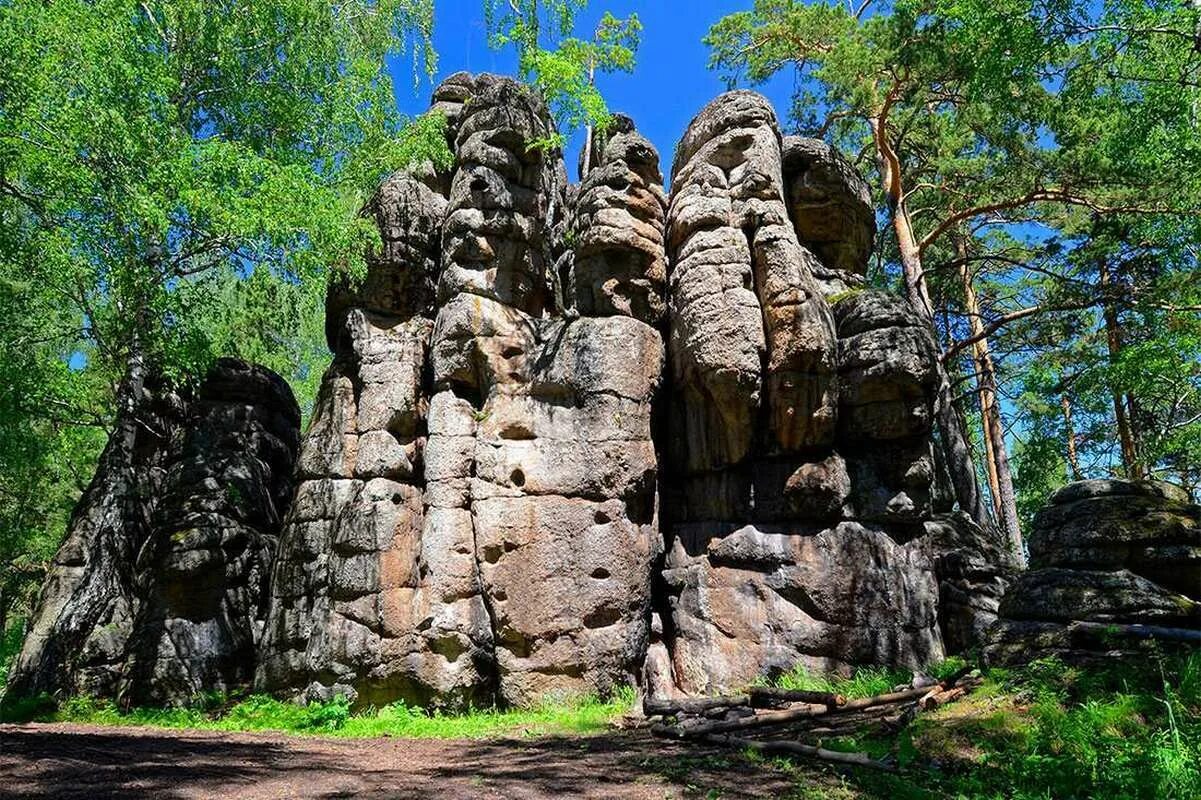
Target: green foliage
x=10 y=645
x=863 y=682
x=560 y=66
x=177 y=179
x=1050 y=731
x=580 y=715
x=1043 y=135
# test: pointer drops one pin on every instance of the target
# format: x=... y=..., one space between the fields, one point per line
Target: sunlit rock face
x=558 y=412
x=573 y=437
x=1111 y=552
x=800 y=473
x=478 y=516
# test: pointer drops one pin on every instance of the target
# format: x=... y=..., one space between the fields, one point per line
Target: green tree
x=560 y=66
x=177 y=177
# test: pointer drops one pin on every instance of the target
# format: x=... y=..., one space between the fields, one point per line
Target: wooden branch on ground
x=767 y=695
x=796 y=748
x=840 y=711
x=759 y=720
x=1102 y=629
x=691 y=705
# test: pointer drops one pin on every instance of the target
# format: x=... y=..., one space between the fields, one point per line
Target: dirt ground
x=83 y=761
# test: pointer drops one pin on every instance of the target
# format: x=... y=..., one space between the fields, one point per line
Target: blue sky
x=670 y=83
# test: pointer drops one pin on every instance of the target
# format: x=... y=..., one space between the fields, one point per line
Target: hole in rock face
x=602 y=618
x=479 y=185
x=600 y=517
x=517 y=477
x=600 y=573
x=397 y=499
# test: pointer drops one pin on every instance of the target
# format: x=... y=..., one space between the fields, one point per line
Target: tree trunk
x=952 y=429
x=996 y=454
x=589 y=133
x=1121 y=404
x=1070 y=435
x=994 y=487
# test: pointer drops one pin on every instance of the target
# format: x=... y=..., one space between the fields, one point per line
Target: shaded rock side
x=1109 y=552
x=203 y=573
x=79 y=633
x=158 y=592
x=831 y=208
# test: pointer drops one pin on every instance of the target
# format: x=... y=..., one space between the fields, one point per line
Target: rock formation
x=1103 y=551
x=158 y=592
x=477 y=517
x=578 y=437
x=801 y=473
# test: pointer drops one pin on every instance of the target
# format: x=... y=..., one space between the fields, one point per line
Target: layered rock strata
x=159 y=592
x=801 y=479
x=486 y=528
x=1109 y=552
x=572 y=438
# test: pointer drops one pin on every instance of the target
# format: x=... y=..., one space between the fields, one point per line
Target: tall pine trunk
x=996 y=454
x=1070 y=436
x=952 y=428
x=1122 y=404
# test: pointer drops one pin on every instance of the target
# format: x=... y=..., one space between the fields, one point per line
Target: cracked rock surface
x=1112 y=552
x=159 y=591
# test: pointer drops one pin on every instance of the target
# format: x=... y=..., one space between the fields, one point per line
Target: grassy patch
x=333 y=718
x=1048 y=731
x=863 y=682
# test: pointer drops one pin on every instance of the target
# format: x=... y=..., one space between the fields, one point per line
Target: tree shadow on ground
x=68 y=761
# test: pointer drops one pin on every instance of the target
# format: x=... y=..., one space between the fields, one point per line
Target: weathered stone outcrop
x=202 y=575
x=800 y=471
x=1149 y=527
x=1103 y=551
x=508 y=554
x=158 y=591
x=831 y=207
x=572 y=438
x=79 y=633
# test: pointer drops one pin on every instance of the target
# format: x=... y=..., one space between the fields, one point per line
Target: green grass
x=863 y=682
x=1041 y=732
x=333 y=718
x=1044 y=732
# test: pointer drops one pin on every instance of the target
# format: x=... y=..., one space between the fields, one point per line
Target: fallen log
x=762 y=695
x=759 y=720
x=691 y=705
x=1104 y=629
x=942 y=698
x=890 y=698
x=796 y=748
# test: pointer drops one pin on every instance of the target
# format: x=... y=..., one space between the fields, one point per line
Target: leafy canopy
x=560 y=66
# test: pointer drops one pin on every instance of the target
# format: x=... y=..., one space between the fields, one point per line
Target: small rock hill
x=1104 y=555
